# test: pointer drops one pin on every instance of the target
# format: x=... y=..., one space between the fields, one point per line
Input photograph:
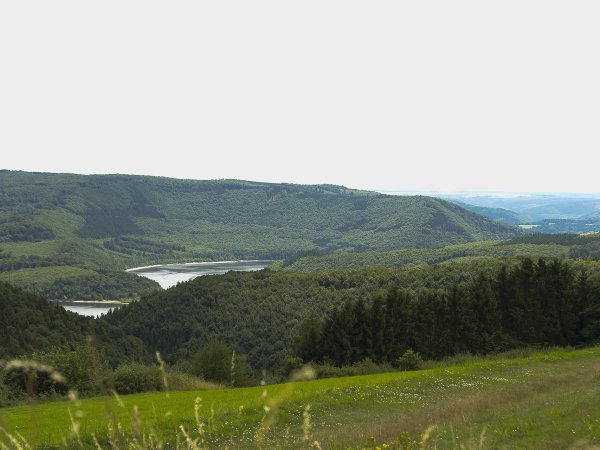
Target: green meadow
x=522 y=399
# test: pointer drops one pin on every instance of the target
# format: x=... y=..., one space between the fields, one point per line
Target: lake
x=94 y=309
x=168 y=275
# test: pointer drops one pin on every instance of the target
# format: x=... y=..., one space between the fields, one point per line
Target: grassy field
x=43 y=274
x=543 y=399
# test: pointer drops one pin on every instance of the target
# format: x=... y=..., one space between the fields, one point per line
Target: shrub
x=181 y=381
x=410 y=360
x=5 y=394
x=328 y=370
x=213 y=362
x=289 y=365
x=217 y=362
x=83 y=374
x=366 y=367
x=77 y=369
x=134 y=377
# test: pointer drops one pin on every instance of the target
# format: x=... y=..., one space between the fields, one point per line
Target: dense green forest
x=363 y=319
x=570 y=246
x=55 y=227
x=45 y=351
x=72 y=283
x=260 y=312
x=29 y=323
x=541 y=303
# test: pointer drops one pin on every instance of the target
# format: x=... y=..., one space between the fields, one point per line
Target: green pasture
x=43 y=275
x=544 y=399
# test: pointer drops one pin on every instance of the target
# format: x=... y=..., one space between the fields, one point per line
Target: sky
x=384 y=95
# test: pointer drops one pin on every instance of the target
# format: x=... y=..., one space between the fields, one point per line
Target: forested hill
x=229 y=218
x=564 y=246
x=260 y=312
x=29 y=323
x=62 y=226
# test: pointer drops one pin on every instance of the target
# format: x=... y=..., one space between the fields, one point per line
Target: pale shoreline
x=199 y=263
x=90 y=302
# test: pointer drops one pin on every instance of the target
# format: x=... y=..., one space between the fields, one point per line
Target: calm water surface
x=169 y=275
x=94 y=309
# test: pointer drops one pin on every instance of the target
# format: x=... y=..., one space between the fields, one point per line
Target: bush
x=78 y=371
x=181 y=381
x=366 y=367
x=132 y=378
x=289 y=365
x=410 y=360
x=82 y=372
x=5 y=394
x=363 y=367
x=217 y=362
x=213 y=362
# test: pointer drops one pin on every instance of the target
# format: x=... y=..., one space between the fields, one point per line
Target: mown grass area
x=43 y=275
x=44 y=249
x=547 y=399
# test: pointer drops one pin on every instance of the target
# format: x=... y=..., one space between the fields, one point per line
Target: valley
x=211 y=288
x=322 y=225
x=61 y=232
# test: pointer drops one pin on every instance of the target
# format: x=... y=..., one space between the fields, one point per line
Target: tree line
x=543 y=302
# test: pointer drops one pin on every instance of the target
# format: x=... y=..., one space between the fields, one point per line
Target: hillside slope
x=64 y=223
x=260 y=313
x=29 y=323
x=498 y=214
x=525 y=400
x=565 y=246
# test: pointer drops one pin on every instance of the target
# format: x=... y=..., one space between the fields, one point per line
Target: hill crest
x=117 y=221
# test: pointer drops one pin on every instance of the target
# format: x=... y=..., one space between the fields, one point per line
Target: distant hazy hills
x=61 y=226
x=549 y=213
x=497 y=214
x=537 y=207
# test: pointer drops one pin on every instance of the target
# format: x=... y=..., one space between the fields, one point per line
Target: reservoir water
x=94 y=309
x=168 y=275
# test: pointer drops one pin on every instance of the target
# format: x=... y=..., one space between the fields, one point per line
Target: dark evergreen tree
x=525 y=302
x=422 y=319
x=377 y=324
x=505 y=296
x=397 y=324
x=463 y=323
x=540 y=303
x=308 y=342
x=361 y=340
x=487 y=316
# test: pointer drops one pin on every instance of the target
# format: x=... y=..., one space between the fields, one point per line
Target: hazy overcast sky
x=425 y=95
